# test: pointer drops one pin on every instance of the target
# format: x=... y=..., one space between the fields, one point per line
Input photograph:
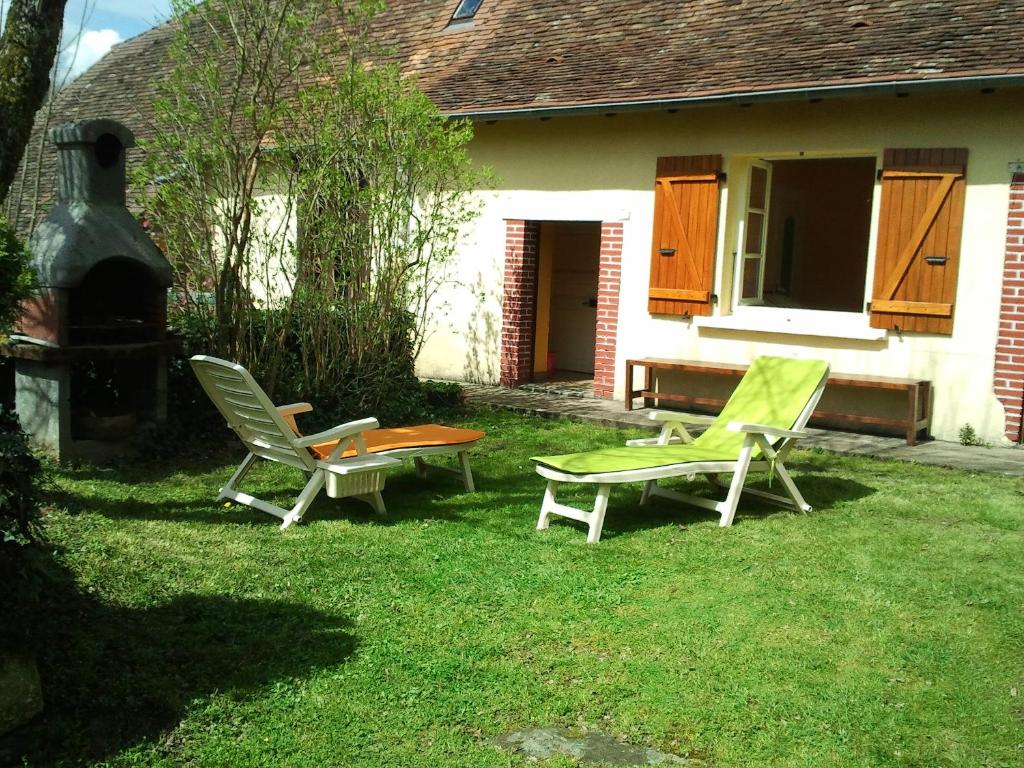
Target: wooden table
x=916 y=422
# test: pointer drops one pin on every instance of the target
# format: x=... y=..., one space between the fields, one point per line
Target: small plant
x=968 y=436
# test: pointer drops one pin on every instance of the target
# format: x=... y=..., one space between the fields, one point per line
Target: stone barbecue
x=91 y=349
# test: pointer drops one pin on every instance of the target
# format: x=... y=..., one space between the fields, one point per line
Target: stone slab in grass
x=589 y=749
x=21 y=697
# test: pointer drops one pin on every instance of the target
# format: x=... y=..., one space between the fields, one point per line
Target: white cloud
x=91 y=48
x=143 y=10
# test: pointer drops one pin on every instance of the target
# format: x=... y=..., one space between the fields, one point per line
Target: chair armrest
x=293 y=408
x=652 y=441
x=683 y=418
x=673 y=428
x=763 y=429
x=355 y=464
x=338 y=433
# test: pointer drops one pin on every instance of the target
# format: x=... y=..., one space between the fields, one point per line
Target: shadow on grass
x=115 y=676
x=625 y=515
x=406 y=496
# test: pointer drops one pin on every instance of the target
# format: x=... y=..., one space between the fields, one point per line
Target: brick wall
x=607 y=309
x=519 y=304
x=1009 y=369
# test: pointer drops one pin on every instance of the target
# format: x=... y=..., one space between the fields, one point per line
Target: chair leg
x=649 y=487
x=791 y=490
x=421 y=467
x=316 y=482
x=375 y=500
x=231 y=486
x=467 y=473
x=288 y=516
x=597 y=516
x=463 y=472
x=594 y=519
x=548 y=505
x=739 y=477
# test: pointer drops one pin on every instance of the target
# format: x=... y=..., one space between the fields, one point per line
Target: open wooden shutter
x=685 y=233
x=919 y=231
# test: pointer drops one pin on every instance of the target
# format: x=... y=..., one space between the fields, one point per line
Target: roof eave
x=804 y=93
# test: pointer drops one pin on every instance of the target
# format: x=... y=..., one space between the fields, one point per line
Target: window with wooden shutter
x=685 y=233
x=919 y=231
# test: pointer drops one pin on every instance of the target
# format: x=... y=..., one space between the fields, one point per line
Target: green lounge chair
x=755 y=431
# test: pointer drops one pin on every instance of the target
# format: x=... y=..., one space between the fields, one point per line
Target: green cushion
x=624 y=459
x=774 y=391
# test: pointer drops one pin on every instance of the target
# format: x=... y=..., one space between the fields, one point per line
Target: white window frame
x=758 y=298
x=742 y=315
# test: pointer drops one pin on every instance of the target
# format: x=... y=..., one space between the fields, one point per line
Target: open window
x=805 y=235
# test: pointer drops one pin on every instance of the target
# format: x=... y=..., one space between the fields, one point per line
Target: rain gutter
x=893 y=87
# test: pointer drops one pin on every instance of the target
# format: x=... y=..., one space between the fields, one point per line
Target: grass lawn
x=883 y=629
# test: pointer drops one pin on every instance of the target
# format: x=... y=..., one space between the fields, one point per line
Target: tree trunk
x=27 y=51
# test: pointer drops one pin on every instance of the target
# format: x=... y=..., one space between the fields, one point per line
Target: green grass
x=883 y=629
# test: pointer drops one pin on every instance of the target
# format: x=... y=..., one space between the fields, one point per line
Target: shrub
x=16 y=276
x=20 y=533
x=396 y=398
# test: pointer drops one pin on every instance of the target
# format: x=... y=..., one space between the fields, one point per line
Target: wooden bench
x=916 y=422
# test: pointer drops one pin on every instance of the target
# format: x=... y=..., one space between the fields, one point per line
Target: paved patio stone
x=589 y=749
x=610 y=413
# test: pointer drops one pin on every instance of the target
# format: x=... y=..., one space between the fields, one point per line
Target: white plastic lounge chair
x=349 y=459
x=755 y=431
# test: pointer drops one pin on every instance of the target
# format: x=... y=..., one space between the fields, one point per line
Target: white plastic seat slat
x=220 y=373
x=281 y=457
x=239 y=390
x=255 y=415
x=244 y=401
x=276 y=439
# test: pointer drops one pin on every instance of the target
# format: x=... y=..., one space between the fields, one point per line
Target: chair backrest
x=249 y=412
x=775 y=391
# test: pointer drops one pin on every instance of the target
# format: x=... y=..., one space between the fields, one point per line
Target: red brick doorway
x=524 y=325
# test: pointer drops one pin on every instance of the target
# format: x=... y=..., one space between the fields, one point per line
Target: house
x=719 y=179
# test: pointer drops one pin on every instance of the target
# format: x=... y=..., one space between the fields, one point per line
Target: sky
x=92 y=27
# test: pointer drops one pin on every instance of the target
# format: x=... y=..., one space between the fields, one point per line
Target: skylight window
x=466 y=10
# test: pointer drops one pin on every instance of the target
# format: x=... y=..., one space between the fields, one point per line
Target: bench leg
x=926 y=410
x=629 y=387
x=912 y=407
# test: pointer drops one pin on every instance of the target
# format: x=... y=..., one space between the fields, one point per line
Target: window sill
x=799 y=322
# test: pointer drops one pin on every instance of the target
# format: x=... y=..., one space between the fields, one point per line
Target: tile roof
x=520 y=56
x=526 y=55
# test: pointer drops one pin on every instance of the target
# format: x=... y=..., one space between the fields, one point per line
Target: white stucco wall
x=603 y=168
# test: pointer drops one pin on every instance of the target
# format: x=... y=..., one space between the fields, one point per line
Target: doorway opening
x=560 y=308
x=568 y=269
